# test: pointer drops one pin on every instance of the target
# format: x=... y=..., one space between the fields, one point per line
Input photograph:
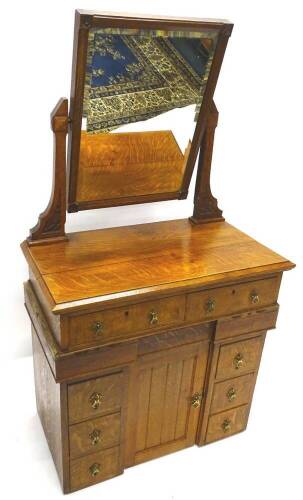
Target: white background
x=257 y=177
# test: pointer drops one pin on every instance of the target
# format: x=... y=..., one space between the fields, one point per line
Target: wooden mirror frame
x=84 y=21
x=51 y=222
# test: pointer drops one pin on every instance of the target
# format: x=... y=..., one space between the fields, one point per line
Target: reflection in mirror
x=143 y=91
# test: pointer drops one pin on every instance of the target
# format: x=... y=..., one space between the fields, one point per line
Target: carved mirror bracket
x=51 y=222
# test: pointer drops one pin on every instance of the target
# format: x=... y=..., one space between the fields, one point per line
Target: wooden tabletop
x=117 y=263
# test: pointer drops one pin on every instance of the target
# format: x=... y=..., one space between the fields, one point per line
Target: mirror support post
x=205 y=204
x=51 y=222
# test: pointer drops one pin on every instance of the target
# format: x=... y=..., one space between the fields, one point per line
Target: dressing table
x=146 y=339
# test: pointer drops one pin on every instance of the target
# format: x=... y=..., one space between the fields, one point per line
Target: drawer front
x=94 y=435
x=95 y=397
x=125 y=322
x=231 y=393
x=228 y=300
x=239 y=358
x=94 y=468
x=226 y=423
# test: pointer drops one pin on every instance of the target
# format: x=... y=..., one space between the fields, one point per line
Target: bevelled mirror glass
x=142 y=91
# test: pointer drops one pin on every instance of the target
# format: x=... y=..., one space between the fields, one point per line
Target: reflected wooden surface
x=128 y=164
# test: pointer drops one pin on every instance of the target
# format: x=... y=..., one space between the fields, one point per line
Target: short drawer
x=232 y=299
x=94 y=468
x=95 y=397
x=233 y=392
x=124 y=322
x=94 y=435
x=226 y=423
x=239 y=357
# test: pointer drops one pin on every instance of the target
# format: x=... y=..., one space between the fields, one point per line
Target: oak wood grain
x=82 y=440
x=135 y=260
x=129 y=164
x=236 y=418
x=249 y=352
x=107 y=461
x=80 y=404
x=232 y=392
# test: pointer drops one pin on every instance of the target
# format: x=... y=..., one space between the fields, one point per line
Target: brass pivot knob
x=254 y=298
x=97 y=328
x=238 y=361
x=95 y=469
x=95 y=436
x=153 y=318
x=226 y=425
x=210 y=305
x=196 y=400
x=96 y=400
x=231 y=394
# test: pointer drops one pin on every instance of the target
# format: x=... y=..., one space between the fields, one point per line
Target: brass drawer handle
x=210 y=305
x=95 y=400
x=95 y=469
x=153 y=318
x=254 y=298
x=226 y=425
x=238 y=361
x=95 y=436
x=196 y=400
x=231 y=394
x=97 y=328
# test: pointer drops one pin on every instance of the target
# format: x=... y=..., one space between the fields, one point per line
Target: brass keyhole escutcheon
x=95 y=436
x=210 y=305
x=226 y=425
x=97 y=328
x=231 y=394
x=96 y=400
x=95 y=469
x=254 y=297
x=238 y=361
x=153 y=318
x=196 y=400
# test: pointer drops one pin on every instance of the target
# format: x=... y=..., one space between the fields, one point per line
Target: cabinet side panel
x=48 y=404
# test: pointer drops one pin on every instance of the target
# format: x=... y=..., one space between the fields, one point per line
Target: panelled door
x=165 y=397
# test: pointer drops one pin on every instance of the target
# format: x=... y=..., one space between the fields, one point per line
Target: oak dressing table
x=146 y=339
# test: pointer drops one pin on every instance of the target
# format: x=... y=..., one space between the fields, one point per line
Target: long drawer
x=123 y=322
x=227 y=300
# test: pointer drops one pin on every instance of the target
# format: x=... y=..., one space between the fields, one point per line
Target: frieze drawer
x=124 y=322
x=227 y=300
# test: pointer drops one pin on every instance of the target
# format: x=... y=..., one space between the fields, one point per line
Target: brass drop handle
x=95 y=436
x=97 y=328
x=153 y=318
x=226 y=425
x=96 y=400
x=95 y=469
x=231 y=394
x=238 y=361
x=254 y=298
x=196 y=400
x=210 y=305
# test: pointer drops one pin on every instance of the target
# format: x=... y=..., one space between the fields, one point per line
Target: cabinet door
x=162 y=416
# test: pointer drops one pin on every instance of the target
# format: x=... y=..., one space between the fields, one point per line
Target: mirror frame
x=84 y=21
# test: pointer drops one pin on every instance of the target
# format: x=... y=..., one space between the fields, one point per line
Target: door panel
x=163 y=418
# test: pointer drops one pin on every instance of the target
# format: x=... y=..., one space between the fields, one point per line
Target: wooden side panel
x=48 y=398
